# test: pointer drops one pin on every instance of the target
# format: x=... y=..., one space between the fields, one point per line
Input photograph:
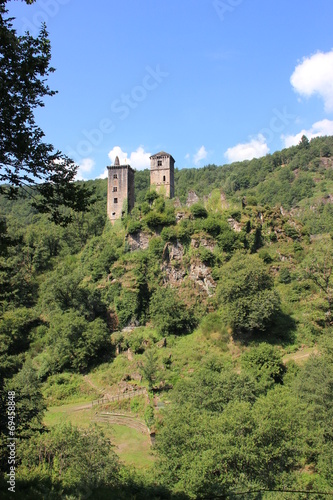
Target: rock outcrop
x=236 y=226
x=201 y=274
x=175 y=272
x=192 y=198
x=173 y=263
x=138 y=241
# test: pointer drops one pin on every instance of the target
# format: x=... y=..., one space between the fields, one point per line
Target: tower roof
x=162 y=153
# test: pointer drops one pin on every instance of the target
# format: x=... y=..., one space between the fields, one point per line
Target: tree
x=318 y=267
x=265 y=364
x=246 y=294
x=149 y=367
x=28 y=164
x=73 y=342
x=77 y=460
x=304 y=142
x=168 y=313
x=29 y=408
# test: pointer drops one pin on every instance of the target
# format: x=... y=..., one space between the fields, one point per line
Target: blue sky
x=208 y=81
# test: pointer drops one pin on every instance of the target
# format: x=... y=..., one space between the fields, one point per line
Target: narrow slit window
x=163 y=178
x=115 y=200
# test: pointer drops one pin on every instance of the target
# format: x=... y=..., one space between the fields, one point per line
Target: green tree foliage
x=318 y=267
x=198 y=210
x=29 y=408
x=169 y=314
x=15 y=338
x=149 y=367
x=314 y=389
x=246 y=295
x=244 y=447
x=74 y=460
x=25 y=160
x=265 y=364
x=73 y=343
x=213 y=387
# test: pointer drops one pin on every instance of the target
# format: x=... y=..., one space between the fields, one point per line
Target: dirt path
x=94 y=386
x=302 y=354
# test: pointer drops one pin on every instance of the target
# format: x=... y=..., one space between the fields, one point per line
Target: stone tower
x=120 y=190
x=162 y=173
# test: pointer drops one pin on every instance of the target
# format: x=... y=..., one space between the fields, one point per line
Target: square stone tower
x=120 y=190
x=162 y=173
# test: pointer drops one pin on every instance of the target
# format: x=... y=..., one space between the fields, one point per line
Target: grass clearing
x=132 y=446
x=300 y=356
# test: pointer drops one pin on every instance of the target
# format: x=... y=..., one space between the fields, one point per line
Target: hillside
x=206 y=319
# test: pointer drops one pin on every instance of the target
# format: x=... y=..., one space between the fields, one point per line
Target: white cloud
x=314 y=75
x=201 y=154
x=86 y=165
x=117 y=151
x=138 y=159
x=104 y=175
x=255 y=148
x=187 y=156
x=323 y=127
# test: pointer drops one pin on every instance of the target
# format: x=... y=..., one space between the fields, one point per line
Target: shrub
x=265 y=256
x=264 y=362
x=206 y=256
x=169 y=314
x=284 y=276
x=151 y=196
x=246 y=294
x=153 y=219
x=291 y=231
x=133 y=227
x=251 y=201
x=236 y=215
x=169 y=233
x=198 y=210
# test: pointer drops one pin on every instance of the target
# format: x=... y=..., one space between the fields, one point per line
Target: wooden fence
x=119 y=397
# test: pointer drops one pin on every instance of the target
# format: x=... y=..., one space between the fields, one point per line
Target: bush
x=154 y=219
x=246 y=294
x=206 y=256
x=133 y=227
x=169 y=314
x=151 y=196
x=265 y=363
x=284 y=276
x=198 y=210
x=291 y=231
x=265 y=256
x=213 y=327
x=212 y=226
x=236 y=215
x=251 y=201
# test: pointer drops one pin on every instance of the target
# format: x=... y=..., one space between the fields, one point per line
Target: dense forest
x=220 y=308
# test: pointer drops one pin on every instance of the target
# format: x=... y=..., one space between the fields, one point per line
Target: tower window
x=159 y=163
x=114 y=189
x=115 y=200
x=115 y=176
x=163 y=178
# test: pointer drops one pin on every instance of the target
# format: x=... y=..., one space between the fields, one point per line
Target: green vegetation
x=222 y=319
